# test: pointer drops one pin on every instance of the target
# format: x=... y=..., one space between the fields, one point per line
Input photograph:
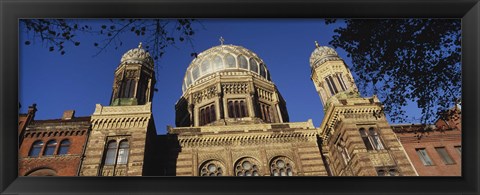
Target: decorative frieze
x=205 y=94
x=235 y=88
x=245 y=139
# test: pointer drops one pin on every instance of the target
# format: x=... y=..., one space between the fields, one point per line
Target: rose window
x=212 y=168
x=281 y=167
x=247 y=167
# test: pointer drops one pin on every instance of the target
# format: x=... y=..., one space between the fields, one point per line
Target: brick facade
x=445 y=134
x=75 y=130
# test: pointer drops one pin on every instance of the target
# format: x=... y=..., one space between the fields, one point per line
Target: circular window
x=211 y=168
x=247 y=167
x=281 y=166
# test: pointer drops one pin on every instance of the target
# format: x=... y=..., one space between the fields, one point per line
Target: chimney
x=68 y=114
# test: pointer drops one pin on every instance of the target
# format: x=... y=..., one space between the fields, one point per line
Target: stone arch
x=42 y=171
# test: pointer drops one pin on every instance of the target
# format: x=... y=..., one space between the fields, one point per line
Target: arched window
x=365 y=139
x=243 y=109
x=189 y=79
x=111 y=151
x=340 y=80
x=123 y=152
x=50 y=149
x=333 y=84
x=213 y=117
x=206 y=67
x=375 y=139
x=195 y=73
x=217 y=63
x=371 y=139
x=253 y=65
x=262 y=71
x=265 y=111
x=242 y=62
x=230 y=61
x=212 y=168
x=343 y=151
x=230 y=109
x=64 y=146
x=36 y=148
x=128 y=88
x=237 y=109
x=281 y=166
x=247 y=167
x=207 y=114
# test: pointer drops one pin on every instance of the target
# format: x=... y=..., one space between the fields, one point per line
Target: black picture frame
x=11 y=11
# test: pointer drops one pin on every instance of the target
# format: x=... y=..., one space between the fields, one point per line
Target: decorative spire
x=316 y=44
x=140 y=45
x=221 y=40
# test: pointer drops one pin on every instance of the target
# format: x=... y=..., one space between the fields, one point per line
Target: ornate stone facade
x=231 y=120
x=356 y=137
x=118 y=141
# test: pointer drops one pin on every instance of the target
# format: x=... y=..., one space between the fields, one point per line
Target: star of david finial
x=316 y=44
x=221 y=40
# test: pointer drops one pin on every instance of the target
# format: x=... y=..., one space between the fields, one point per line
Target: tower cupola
x=330 y=75
x=134 y=78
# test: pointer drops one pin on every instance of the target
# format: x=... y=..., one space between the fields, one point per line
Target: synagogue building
x=231 y=120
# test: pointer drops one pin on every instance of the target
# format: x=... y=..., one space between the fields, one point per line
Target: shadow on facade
x=161 y=155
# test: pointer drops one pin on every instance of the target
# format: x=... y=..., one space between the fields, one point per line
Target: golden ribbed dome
x=221 y=58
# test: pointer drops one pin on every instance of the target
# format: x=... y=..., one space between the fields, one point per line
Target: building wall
x=415 y=137
x=75 y=130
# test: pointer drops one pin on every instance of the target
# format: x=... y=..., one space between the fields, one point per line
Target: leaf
x=27 y=42
x=77 y=43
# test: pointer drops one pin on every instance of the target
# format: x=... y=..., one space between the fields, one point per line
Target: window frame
x=235 y=108
x=423 y=154
x=51 y=145
x=63 y=145
x=40 y=146
x=446 y=157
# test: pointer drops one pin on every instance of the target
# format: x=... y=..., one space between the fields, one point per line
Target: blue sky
x=78 y=80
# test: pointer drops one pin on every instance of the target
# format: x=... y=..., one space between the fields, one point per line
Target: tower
x=356 y=137
x=121 y=131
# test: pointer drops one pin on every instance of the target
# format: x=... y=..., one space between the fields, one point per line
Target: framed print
x=143 y=97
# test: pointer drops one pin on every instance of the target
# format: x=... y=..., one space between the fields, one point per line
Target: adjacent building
x=435 y=150
x=53 y=147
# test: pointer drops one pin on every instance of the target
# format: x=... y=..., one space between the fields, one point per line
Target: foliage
x=158 y=33
x=404 y=60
